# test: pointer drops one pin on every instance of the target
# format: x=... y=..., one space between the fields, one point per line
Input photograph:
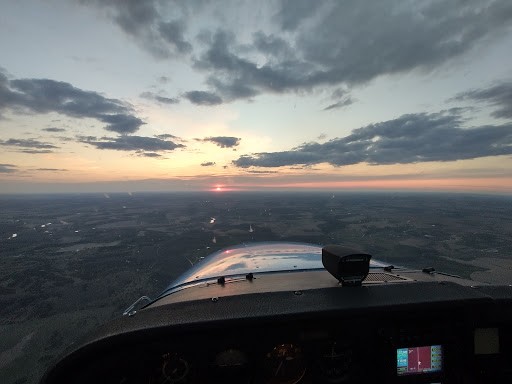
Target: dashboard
x=417 y=333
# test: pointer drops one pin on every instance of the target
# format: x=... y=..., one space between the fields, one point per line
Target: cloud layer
x=203 y=98
x=222 y=141
x=411 y=138
x=45 y=96
x=30 y=146
x=159 y=98
x=42 y=96
x=133 y=143
x=498 y=96
x=308 y=44
x=146 y=22
x=54 y=129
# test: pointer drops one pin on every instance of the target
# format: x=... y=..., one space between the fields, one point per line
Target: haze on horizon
x=106 y=96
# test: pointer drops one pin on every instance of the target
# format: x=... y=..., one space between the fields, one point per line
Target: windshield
x=139 y=137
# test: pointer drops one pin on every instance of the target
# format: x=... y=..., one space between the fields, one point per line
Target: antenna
x=348 y=266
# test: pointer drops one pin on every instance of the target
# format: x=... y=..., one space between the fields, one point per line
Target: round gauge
x=231 y=366
x=335 y=363
x=174 y=369
x=285 y=365
x=230 y=358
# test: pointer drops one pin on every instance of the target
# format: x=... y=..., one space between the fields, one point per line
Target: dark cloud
x=292 y=12
x=237 y=77
x=160 y=99
x=149 y=154
x=203 y=98
x=208 y=164
x=356 y=41
x=45 y=96
x=84 y=138
x=348 y=43
x=52 y=169
x=54 y=129
x=233 y=89
x=165 y=136
x=8 y=168
x=27 y=143
x=36 y=151
x=339 y=93
x=145 y=22
x=122 y=123
x=273 y=47
x=65 y=139
x=310 y=43
x=172 y=33
x=340 y=104
x=258 y=172
x=223 y=141
x=499 y=96
x=412 y=138
x=134 y=143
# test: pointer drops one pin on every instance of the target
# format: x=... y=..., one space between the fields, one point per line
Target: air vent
x=380 y=277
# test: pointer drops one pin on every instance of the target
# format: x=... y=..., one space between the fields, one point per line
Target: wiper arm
x=130 y=311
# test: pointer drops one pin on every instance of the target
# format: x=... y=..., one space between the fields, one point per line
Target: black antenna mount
x=348 y=266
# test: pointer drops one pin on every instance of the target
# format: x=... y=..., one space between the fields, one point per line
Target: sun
x=220 y=188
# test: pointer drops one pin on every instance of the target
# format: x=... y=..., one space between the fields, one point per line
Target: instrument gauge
x=230 y=358
x=173 y=369
x=335 y=363
x=231 y=366
x=285 y=364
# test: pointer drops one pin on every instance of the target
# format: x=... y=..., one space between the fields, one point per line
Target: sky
x=127 y=96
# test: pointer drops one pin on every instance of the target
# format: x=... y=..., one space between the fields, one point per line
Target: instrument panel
x=303 y=351
x=352 y=336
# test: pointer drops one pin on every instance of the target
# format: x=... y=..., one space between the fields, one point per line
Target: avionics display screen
x=417 y=360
